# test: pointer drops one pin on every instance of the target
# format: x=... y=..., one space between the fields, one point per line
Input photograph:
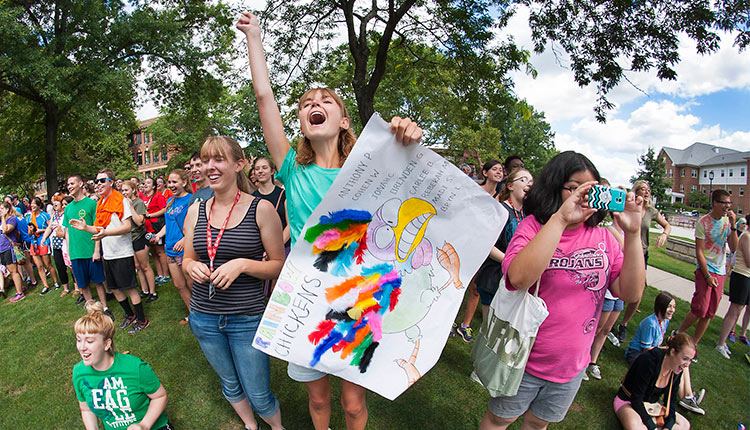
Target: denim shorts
x=244 y=372
x=547 y=400
x=615 y=305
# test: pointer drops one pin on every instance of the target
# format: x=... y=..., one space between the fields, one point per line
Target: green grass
x=38 y=351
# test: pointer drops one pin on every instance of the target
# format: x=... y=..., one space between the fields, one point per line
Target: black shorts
x=139 y=244
x=739 y=289
x=120 y=273
x=8 y=257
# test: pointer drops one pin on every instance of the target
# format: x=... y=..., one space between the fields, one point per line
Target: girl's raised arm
x=270 y=117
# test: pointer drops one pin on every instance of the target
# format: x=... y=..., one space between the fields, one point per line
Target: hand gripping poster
x=372 y=286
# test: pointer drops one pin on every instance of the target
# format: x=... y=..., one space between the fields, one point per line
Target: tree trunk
x=52 y=125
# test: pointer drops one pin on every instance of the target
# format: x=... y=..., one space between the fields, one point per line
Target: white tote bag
x=502 y=347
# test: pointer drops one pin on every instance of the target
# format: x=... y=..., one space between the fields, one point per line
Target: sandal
x=184 y=321
x=64 y=293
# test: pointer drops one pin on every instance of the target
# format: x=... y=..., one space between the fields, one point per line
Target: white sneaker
x=691 y=405
x=724 y=351
x=474 y=377
x=700 y=395
x=595 y=371
x=585 y=376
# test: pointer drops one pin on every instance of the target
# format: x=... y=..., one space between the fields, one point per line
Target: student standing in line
x=8 y=227
x=54 y=232
x=112 y=228
x=173 y=233
x=307 y=174
x=203 y=191
x=140 y=244
x=156 y=206
x=38 y=220
x=225 y=239
x=85 y=255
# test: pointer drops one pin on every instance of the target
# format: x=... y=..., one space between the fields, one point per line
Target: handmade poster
x=370 y=291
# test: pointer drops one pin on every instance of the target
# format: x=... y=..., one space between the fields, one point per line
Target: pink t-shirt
x=585 y=264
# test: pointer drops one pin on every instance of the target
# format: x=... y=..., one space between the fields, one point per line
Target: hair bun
x=94 y=306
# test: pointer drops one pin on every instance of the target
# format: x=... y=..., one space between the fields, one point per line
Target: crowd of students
x=222 y=235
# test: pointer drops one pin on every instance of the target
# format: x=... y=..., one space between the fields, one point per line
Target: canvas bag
x=502 y=347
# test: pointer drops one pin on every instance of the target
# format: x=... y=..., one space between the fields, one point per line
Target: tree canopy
x=71 y=69
x=654 y=171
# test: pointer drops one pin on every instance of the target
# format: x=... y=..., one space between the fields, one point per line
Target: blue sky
x=709 y=102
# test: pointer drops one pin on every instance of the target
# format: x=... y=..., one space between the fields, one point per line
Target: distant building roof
x=699 y=153
x=737 y=157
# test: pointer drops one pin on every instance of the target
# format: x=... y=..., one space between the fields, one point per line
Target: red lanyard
x=215 y=247
x=515 y=212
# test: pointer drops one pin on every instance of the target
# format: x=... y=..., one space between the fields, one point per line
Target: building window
x=694 y=173
x=139 y=158
x=731 y=172
x=722 y=173
x=138 y=139
x=682 y=172
x=742 y=191
x=670 y=173
x=742 y=172
x=682 y=188
x=693 y=188
x=164 y=156
x=704 y=174
x=729 y=189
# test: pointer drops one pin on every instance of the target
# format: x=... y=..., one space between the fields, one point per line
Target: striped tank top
x=245 y=295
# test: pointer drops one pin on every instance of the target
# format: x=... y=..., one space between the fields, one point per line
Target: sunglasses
x=101 y=180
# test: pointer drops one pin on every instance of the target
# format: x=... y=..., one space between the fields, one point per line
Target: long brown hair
x=347 y=138
x=229 y=148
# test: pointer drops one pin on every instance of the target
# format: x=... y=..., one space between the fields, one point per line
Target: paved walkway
x=678 y=287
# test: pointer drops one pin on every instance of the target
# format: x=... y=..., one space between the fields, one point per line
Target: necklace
x=212 y=248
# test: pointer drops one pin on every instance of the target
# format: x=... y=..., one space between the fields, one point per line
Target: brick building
x=704 y=167
x=149 y=157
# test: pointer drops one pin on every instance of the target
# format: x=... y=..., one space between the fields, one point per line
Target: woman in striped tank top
x=225 y=238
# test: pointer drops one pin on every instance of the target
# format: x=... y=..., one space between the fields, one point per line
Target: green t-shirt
x=80 y=244
x=138 y=231
x=305 y=187
x=118 y=395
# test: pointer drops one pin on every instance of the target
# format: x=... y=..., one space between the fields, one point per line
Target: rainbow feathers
x=339 y=239
x=357 y=331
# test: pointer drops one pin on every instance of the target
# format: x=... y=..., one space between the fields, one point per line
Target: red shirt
x=154 y=203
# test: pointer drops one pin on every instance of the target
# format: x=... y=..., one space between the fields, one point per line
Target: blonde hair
x=347 y=138
x=95 y=322
x=637 y=185
x=130 y=184
x=229 y=148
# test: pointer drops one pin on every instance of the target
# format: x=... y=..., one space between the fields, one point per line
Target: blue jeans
x=226 y=341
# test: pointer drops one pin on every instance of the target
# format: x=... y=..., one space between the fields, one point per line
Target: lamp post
x=710 y=182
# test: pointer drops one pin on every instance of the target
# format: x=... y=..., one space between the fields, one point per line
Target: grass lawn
x=38 y=351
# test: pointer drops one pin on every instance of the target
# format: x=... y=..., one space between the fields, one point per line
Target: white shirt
x=120 y=246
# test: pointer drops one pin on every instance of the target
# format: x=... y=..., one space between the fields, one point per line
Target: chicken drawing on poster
x=370 y=291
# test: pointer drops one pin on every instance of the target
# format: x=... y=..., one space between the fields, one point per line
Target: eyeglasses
x=101 y=180
x=525 y=180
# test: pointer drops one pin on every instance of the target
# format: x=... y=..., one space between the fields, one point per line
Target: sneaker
x=144 y=294
x=76 y=292
x=138 y=327
x=622 y=333
x=57 y=286
x=724 y=351
x=79 y=301
x=585 y=376
x=465 y=333
x=613 y=339
x=453 y=330
x=127 y=321
x=732 y=337
x=44 y=291
x=160 y=280
x=744 y=341
x=109 y=313
x=595 y=371
x=474 y=377
x=64 y=293
x=152 y=298
x=700 y=395
x=691 y=404
x=18 y=297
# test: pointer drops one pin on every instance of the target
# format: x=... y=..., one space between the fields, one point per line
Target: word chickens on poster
x=370 y=291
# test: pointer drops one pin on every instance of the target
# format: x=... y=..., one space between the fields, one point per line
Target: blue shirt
x=23 y=229
x=648 y=334
x=42 y=220
x=177 y=208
